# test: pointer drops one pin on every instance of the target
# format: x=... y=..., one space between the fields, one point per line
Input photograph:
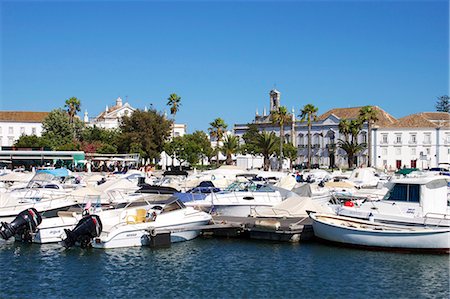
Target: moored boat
x=368 y=234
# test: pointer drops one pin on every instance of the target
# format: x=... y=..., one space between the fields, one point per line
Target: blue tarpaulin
x=58 y=172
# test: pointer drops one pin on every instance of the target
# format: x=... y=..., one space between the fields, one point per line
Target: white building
x=324 y=133
x=13 y=124
x=179 y=130
x=110 y=117
x=419 y=140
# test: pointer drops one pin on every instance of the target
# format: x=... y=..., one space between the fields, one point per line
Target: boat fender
x=213 y=177
x=349 y=203
x=153 y=233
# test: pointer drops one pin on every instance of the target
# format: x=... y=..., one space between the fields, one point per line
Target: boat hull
x=138 y=235
x=424 y=240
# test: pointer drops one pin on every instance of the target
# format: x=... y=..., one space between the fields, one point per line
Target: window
x=447 y=137
x=1 y=141
x=300 y=139
x=22 y=130
x=428 y=150
x=33 y=130
x=384 y=151
x=10 y=130
x=364 y=137
x=0 y=130
x=398 y=151
x=384 y=138
x=398 y=138
x=413 y=151
x=427 y=138
x=404 y=192
x=10 y=141
x=413 y=138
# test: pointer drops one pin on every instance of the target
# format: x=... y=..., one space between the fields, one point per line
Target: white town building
x=110 y=117
x=419 y=140
x=13 y=124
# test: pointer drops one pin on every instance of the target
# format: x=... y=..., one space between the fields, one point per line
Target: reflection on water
x=212 y=268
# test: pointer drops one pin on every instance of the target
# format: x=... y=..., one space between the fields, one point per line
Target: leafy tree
x=216 y=130
x=290 y=152
x=106 y=148
x=309 y=114
x=250 y=138
x=32 y=141
x=201 y=139
x=73 y=106
x=100 y=140
x=267 y=144
x=368 y=114
x=280 y=118
x=230 y=147
x=144 y=132
x=443 y=104
x=57 y=130
x=174 y=101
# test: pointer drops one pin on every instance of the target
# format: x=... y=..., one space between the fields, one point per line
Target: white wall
x=11 y=131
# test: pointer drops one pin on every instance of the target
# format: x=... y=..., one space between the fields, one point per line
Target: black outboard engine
x=22 y=226
x=87 y=228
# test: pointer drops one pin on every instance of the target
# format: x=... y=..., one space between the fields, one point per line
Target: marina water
x=220 y=268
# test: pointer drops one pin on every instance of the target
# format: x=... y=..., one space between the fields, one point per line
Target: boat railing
x=433 y=216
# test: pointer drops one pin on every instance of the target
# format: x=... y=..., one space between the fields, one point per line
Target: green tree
x=309 y=114
x=290 y=151
x=280 y=118
x=368 y=114
x=230 y=146
x=144 y=132
x=73 y=106
x=355 y=128
x=443 y=104
x=57 y=130
x=217 y=130
x=32 y=141
x=174 y=101
x=201 y=139
x=267 y=144
x=352 y=148
x=250 y=138
x=344 y=128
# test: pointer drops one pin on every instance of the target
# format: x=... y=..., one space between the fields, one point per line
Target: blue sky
x=223 y=57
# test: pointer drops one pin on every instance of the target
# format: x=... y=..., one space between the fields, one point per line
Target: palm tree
x=280 y=118
x=174 y=101
x=352 y=148
x=368 y=114
x=216 y=130
x=73 y=106
x=355 y=128
x=309 y=114
x=230 y=146
x=266 y=143
x=344 y=128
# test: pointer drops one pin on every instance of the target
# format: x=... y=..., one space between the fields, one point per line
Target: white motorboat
x=421 y=200
x=133 y=225
x=368 y=234
x=239 y=199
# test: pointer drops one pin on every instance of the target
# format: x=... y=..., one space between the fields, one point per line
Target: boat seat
x=66 y=214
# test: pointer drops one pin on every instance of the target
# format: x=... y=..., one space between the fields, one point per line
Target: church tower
x=274 y=100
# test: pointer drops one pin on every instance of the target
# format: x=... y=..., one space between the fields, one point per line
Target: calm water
x=217 y=268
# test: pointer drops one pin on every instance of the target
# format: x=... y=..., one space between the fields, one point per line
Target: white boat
x=368 y=234
x=239 y=199
x=134 y=225
x=421 y=200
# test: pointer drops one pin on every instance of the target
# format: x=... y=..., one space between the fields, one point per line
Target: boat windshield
x=403 y=192
x=248 y=186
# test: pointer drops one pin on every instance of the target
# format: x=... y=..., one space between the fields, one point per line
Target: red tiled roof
x=384 y=118
x=22 y=116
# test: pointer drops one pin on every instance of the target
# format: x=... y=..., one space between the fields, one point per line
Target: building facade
x=420 y=140
x=111 y=116
x=13 y=124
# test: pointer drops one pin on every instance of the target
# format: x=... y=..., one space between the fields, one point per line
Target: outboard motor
x=87 y=228
x=22 y=226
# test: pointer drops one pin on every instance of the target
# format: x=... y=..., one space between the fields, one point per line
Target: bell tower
x=274 y=100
